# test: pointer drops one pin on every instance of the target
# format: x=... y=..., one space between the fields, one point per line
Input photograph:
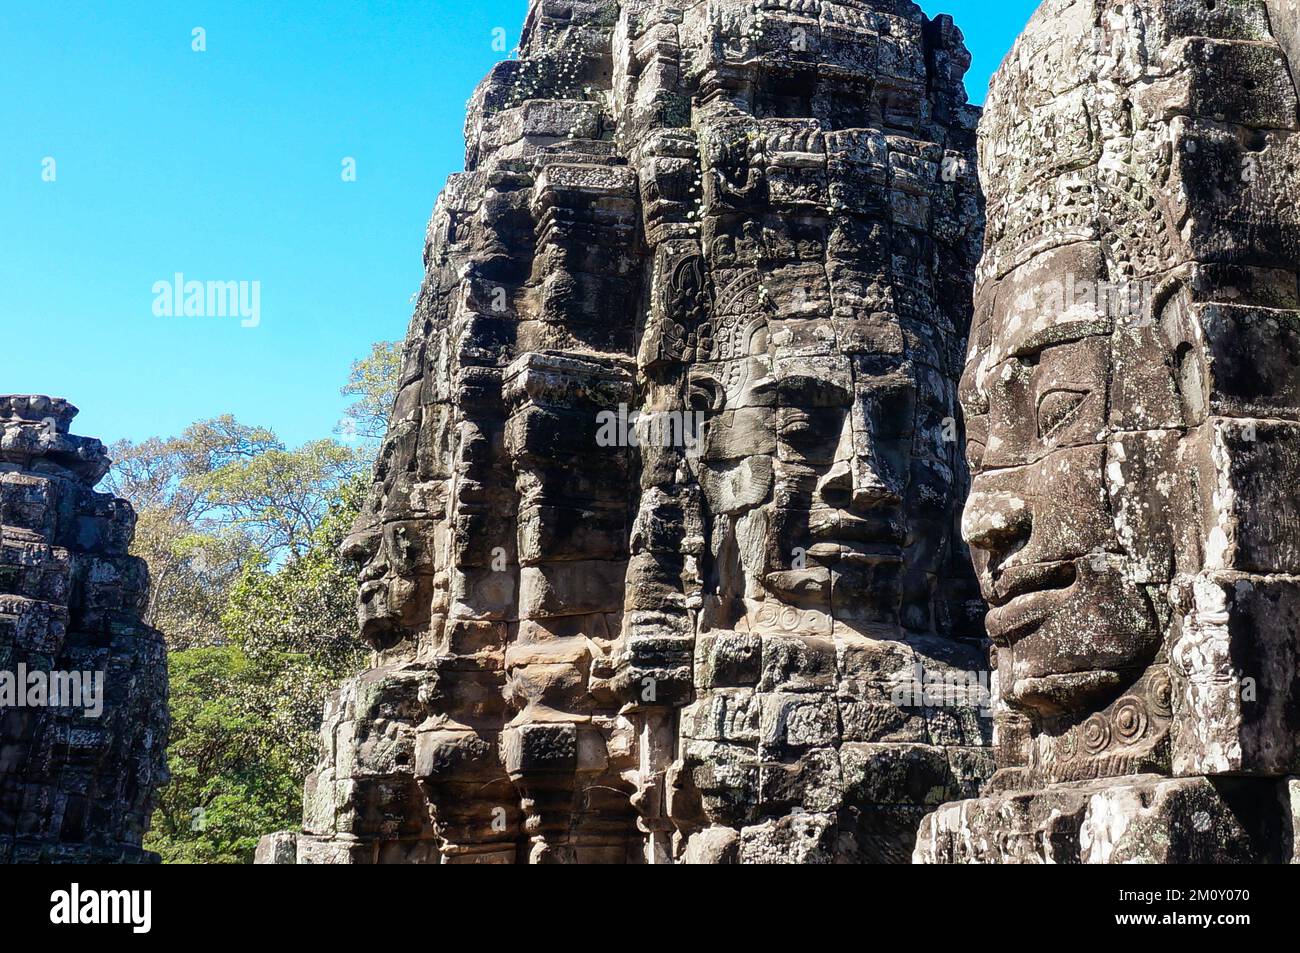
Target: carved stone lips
x=1023 y=597
x=845 y=527
x=836 y=550
x=849 y=538
x=1065 y=692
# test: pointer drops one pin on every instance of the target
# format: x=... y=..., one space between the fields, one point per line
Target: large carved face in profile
x=397 y=583
x=1117 y=364
x=1067 y=528
x=386 y=601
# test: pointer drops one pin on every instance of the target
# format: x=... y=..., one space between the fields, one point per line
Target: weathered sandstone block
x=83 y=683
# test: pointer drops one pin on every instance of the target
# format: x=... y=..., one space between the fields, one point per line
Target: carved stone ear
x=1173 y=314
x=705 y=392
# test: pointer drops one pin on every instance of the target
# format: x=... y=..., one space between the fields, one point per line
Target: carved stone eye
x=1056 y=409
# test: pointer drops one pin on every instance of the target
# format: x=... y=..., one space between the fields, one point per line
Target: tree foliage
x=193 y=558
x=242 y=538
x=374 y=383
x=278 y=498
x=298 y=624
x=245 y=715
x=228 y=784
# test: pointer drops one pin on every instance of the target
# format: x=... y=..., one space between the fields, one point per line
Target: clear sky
x=227 y=165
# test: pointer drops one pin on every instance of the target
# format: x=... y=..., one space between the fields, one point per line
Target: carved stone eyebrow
x=1051 y=335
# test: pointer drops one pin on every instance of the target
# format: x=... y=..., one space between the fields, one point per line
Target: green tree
x=373 y=382
x=220 y=498
x=278 y=498
x=298 y=624
x=193 y=558
x=242 y=537
x=229 y=784
x=245 y=715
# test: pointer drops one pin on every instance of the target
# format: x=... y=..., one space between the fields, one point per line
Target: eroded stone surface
x=77 y=780
x=1143 y=819
x=1133 y=415
x=693 y=637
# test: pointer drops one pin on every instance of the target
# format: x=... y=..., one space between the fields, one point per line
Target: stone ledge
x=1138 y=820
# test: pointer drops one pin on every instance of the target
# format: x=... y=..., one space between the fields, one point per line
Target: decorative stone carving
x=1131 y=398
x=83 y=683
x=665 y=526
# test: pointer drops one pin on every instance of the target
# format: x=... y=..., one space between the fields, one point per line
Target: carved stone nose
x=995 y=521
x=871 y=493
x=836 y=487
x=855 y=486
x=362 y=545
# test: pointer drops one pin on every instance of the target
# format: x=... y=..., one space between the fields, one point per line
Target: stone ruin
x=662 y=562
x=1133 y=404
x=755 y=229
x=83 y=683
x=664 y=557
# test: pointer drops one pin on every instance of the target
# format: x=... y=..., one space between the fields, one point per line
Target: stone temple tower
x=1133 y=404
x=662 y=560
x=83 y=683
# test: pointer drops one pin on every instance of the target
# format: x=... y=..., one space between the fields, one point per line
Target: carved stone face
x=554 y=590
x=813 y=456
x=1067 y=611
x=840 y=478
x=378 y=612
x=397 y=586
x=1105 y=414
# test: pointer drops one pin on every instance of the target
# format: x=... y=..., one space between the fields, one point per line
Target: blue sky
x=226 y=165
